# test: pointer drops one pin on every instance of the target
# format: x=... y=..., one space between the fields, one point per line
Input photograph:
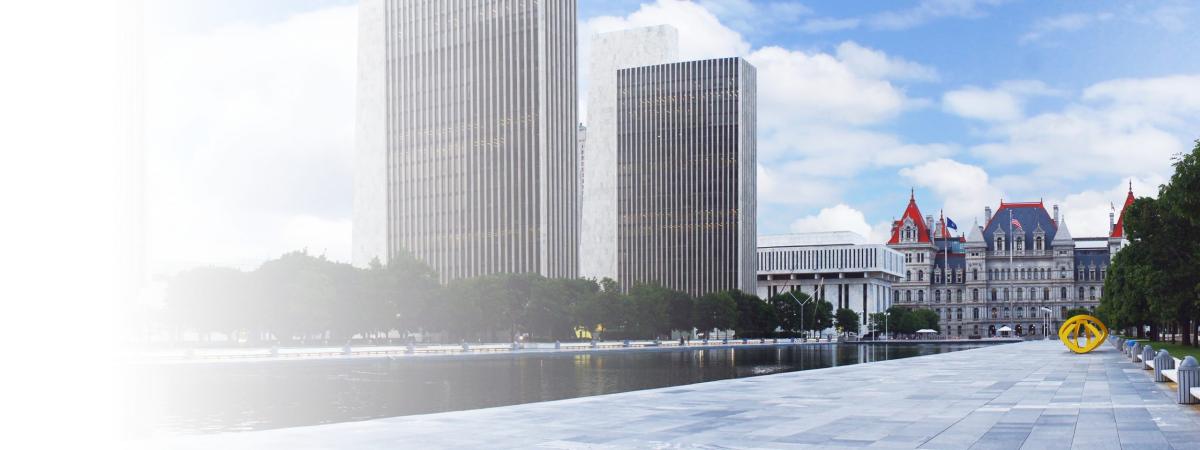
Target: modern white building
x=610 y=52
x=838 y=267
x=686 y=151
x=466 y=151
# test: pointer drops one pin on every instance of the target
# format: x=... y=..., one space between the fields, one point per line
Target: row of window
x=1091 y=273
x=1020 y=312
x=995 y=294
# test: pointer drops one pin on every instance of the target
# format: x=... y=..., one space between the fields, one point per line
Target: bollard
x=744 y=340
x=557 y=345
x=593 y=344
x=346 y=349
x=625 y=343
x=1162 y=361
x=1147 y=355
x=515 y=346
x=1188 y=375
x=705 y=341
x=793 y=340
x=724 y=341
x=1135 y=351
x=410 y=349
x=465 y=347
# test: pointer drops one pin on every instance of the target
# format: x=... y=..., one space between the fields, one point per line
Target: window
x=975 y=295
x=1020 y=312
x=908 y=296
x=993 y=294
x=1006 y=297
x=1007 y=313
x=1045 y=293
x=1092 y=293
x=908 y=275
x=958 y=295
x=1062 y=293
x=958 y=313
x=920 y=296
x=975 y=313
x=974 y=274
x=896 y=296
x=1081 y=297
x=920 y=275
x=1020 y=294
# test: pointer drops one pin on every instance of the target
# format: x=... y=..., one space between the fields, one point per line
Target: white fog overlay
x=358 y=223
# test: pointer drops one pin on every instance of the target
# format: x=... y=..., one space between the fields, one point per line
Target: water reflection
x=198 y=398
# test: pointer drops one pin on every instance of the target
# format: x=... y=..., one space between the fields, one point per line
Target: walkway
x=1028 y=395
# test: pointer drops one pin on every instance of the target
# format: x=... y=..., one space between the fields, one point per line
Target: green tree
x=681 y=310
x=602 y=311
x=648 y=308
x=756 y=318
x=715 y=311
x=847 y=320
x=818 y=316
x=787 y=309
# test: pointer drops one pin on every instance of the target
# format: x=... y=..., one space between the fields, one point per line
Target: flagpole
x=1011 y=287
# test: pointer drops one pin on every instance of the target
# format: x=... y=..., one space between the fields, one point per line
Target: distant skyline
x=250 y=111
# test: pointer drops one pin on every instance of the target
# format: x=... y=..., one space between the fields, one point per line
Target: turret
x=1056 y=214
x=987 y=214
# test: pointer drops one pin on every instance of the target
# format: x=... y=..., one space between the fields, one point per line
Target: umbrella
x=1004 y=329
x=926 y=330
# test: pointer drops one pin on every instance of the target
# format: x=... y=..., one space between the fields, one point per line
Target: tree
x=755 y=317
x=648 y=311
x=819 y=316
x=787 y=309
x=681 y=310
x=925 y=319
x=715 y=311
x=603 y=310
x=847 y=320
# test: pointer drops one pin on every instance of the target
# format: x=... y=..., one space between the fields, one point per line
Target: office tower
x=686 y=175
x=610 y=52
x=466 y=136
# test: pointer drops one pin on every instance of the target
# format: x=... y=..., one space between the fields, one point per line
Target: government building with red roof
x=1014 y=274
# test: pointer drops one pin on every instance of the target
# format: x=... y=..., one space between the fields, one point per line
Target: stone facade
x=1021 y=260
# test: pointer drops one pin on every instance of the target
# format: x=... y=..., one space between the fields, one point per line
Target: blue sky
x=965 y=101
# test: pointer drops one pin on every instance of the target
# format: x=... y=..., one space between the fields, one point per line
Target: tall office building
x=686 y=175
x=610 y=52
x=466 y=135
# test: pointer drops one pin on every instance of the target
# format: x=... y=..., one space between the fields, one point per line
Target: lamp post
x=886 y=336
x=1046 y=323
x=802 y=338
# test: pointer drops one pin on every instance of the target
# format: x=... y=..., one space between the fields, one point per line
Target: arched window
x=1020 y=312
x=975 y=295
x=974 y=274
x=995 y=314
x=908 y=296
x=1007 y=313
x=1000 y=244
x=958 y=313
x=1062 y=293
x=975 y=313
x=937 y=296
x=1092 y=293
x=1081 y=296
x=896 y=296
x=993 y=294
x=1006 y=295
x=958 y=295
x=921 y=296
x=908 y=275
x=1045 y=293
x=1020 y=294
x=920 y=275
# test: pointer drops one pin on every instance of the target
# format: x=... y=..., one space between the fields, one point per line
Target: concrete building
x=686 y=175
x=610 y=52
x=839 y=267
x=466 y=136
x=1004 y=272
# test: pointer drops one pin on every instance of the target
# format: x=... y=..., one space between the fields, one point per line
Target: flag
x=1017 y=223
x=951 y=224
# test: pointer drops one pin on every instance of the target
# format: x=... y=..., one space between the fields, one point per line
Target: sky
x=250 y=111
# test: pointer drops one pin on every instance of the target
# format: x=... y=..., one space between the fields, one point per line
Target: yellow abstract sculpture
x=1090 y=328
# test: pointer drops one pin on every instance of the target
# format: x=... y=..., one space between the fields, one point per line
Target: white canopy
x=926 y=330
x=1004 y=328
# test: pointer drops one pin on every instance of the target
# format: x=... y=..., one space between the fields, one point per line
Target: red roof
x=914 y=213
x=1119 y=230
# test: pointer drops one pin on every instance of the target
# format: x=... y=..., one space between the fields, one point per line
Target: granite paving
x=1029 y=395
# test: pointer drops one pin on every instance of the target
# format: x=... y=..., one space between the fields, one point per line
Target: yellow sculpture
x=1090 y=328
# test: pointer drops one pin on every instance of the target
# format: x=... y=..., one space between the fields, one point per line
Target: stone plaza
x=1032 y=394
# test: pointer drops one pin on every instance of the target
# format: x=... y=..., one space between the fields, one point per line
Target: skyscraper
x=686 y=175
x=466 y=136
x=611 y=52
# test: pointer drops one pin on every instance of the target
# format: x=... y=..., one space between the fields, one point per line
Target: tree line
x=1152 y=287
x=300 y=297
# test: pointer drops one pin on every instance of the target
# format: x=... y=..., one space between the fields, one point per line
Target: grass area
x=1176 y=350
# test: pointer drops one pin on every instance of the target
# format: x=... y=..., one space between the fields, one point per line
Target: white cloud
x=1065 y=22
x=963 y=189
x=838 y=151
x=793 y=185
x=827 y=24
x=249 y=139
x=876 y=64
x=988 y=105
x=749 y=17
x=1001 y=104
x=841 y=218
x=1087 y=211
x=929 y=10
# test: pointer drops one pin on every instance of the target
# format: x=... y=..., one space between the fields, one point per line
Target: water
x=240 y=396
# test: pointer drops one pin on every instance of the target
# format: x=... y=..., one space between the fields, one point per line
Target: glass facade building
x=686 y=175
x=466 y=140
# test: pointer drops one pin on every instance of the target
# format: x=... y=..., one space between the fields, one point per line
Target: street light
x=886 y=314
x=802 y=338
